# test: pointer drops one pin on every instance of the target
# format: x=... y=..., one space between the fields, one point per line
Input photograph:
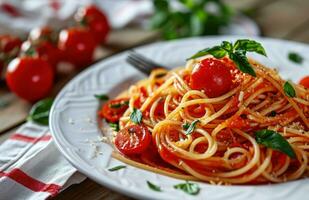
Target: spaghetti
x=196 y=135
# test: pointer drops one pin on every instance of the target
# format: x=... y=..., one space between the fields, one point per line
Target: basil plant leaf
x=242 y=63
x=289 y=90
x=249 y=46
x=216 y=51
x=274 y=140
x=39 y=112
x=189 y=188
x=136 y=116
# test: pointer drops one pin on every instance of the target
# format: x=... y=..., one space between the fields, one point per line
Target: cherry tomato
x=211 y=76
x=114 y=109
x=78 y=46
x=9 y=43
x=29 y=78
x=133 y=139
x=41 y=34
x=96 y=20
x=305 y=82
x=43 y=49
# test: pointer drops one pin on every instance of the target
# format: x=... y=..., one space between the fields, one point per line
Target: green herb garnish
x=274 y=140
x=236 y=52
x=114 y=126
x=189 y=128
x=295 y=57
x=289 y=90
x=136 y=116
x=102 y=97
x=187 y=187
x=272 y=113
x=39 y=113
x=117 y=168
x=154 y=187
x=194 y=19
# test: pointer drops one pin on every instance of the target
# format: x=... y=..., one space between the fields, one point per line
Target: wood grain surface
x=286 y=19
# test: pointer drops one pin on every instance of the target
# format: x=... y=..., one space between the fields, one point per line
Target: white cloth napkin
x=31 y=167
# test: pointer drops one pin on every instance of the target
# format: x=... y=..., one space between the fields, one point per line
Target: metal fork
x=143 y=64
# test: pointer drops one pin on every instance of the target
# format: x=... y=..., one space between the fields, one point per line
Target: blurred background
x=39 y=38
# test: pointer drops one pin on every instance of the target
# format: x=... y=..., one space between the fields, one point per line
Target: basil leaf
x=242 y=63
x=187 y=187
x=289 y=90
x=249 y=45
x=102 y=97
x=136 y=116
x=117 y=168
x=154 y=187
x=197 y=22
x=216 y=51
x=186 y=126
x=158 y=19
x=189 y=129
x=295 y=57
x=227 y=46
x=274 y=140
x=272 y=113
x=114 y=126
x=39 y=112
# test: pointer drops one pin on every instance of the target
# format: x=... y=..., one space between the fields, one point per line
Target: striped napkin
x=31 y=167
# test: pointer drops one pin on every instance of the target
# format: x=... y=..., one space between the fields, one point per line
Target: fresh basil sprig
x=102 y=97
x=136 y=116
x=274 y=140
x=236 y=52
x=39 y=113
x=117 y=168
x=189 y=188
x=295 y=57
x=189 y=128
x=154 y=187
x=119 y=105
x=289 y=90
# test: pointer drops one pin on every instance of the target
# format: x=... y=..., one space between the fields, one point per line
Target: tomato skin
x=29 y=78
x=9 y=43
x=45 y=50
x=95 y=20
x=305 y=82
x=133 y=139
x=113 y=114
x=212 y=76
x=78 y=46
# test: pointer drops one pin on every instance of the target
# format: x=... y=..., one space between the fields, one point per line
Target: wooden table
x=284 y=19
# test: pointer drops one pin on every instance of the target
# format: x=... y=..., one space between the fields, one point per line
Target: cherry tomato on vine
x=43 y=49
x=78 y=46
x=114 y=109
x=42 y=34
x=9 y=43
x=95 y=20
x=305 y=82
x=29 y=78
x=212 y=76
x=133 y=139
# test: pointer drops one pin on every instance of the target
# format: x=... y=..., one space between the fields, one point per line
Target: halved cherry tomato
x=114 y=109
x=29 y=78
x=95 y=20
x=212 y=76
x=305 y=82
x=133 y=139
x=43 y=49
x=78 y=46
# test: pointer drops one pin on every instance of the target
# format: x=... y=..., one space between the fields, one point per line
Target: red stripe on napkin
x=29 y=139
x=35 y=185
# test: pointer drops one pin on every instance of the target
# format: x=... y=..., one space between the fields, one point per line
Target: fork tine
x=138 y=65
x=142 y=63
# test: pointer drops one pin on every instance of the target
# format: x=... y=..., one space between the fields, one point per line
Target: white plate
x=73 y=121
